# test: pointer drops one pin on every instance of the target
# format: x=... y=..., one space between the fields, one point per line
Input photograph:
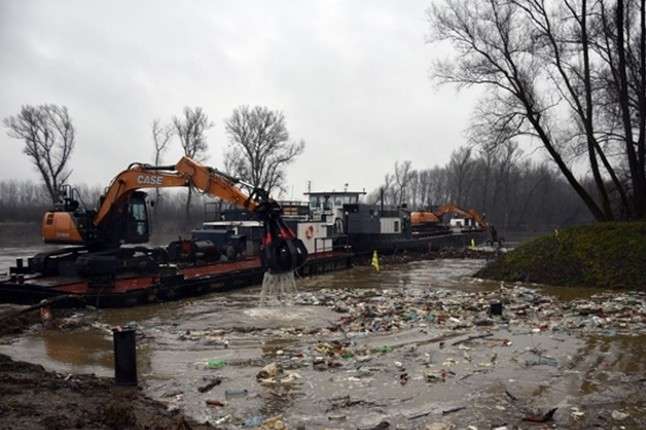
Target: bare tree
x=402 y=176
x=259 y=148
x=48 y=134
x=460 y=168
x=539 y=60
x=161 y=138
x=620 y=42
x=389 y=192
x=191 y=130
x=522 y=194
x=424 y=189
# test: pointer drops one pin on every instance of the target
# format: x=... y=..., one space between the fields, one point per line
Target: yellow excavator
x=122 y=217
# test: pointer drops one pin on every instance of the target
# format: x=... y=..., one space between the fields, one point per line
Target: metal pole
x=125 y=356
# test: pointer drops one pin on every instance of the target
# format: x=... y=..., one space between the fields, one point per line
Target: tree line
x=258 y=151
x=569 y=75
x=510 y=189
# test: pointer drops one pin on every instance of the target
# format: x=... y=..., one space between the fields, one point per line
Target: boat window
x=396 y=226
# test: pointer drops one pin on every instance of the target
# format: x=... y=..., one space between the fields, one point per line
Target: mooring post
x=495 y=308
x=125 y=356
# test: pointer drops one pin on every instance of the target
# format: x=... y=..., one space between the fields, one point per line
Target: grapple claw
x=284 y=255
x=282 y=250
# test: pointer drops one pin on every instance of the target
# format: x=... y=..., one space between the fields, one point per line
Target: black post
x=495 y=308
x=125 y=356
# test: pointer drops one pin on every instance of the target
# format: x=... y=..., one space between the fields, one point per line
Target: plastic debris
x=209 y=385
x=618 y=415
x=252 y=422
x=273 y=423
x=541 y=418
x=236 y=392
x=215 y=364
x=439 y=426
x=269 y=371
x=576 y=412
x=336 y=417
x=539 y=360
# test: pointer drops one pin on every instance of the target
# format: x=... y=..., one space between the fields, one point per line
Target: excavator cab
x=137 y=229
x=128 y=222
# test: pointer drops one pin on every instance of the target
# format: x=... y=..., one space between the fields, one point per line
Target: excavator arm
x=185 y=173
x=122 y=205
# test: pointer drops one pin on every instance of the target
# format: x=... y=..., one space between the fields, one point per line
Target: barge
x=225 y=253
x=169 y=283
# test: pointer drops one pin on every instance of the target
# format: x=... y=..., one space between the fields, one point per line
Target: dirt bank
x=33 y=398
x=608 y=255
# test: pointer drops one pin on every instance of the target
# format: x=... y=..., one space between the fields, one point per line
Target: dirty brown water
x=597 y=374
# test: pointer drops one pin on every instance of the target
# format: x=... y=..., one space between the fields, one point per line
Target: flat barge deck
x=171 y=283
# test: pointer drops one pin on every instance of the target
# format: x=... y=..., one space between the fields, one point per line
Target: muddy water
x=488 y=377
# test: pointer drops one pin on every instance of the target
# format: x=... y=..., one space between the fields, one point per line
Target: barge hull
x=365 y=244
x=145 y=289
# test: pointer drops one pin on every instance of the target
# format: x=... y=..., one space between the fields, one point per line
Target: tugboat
x=339 y=220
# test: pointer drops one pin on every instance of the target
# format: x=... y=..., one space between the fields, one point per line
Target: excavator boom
x=186 y=172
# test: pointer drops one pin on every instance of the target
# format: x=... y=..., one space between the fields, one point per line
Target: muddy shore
x=34 y=398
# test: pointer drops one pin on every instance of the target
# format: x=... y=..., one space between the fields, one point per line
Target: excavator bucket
x=282 y=250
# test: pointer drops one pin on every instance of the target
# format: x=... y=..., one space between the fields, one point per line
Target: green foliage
x=609 y=255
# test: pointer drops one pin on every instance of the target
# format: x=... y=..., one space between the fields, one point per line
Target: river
x=405 y=372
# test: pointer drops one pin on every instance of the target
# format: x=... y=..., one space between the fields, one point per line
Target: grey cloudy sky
x=350 y=76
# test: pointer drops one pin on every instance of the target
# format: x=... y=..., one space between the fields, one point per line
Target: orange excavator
x=425 y=218
x=122 y=217
x=467 y=214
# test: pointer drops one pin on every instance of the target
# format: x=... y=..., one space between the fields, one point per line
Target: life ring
x=309 y=232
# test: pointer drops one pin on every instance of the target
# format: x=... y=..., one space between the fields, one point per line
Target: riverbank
x=604 y=255
x=34 y=398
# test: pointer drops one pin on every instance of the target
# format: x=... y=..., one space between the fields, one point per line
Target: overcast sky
x=350 y=76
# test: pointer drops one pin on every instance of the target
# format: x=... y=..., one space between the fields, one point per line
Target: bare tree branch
x=49 y=138
x=259 y=148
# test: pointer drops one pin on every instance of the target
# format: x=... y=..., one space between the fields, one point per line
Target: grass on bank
x=609 y=255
